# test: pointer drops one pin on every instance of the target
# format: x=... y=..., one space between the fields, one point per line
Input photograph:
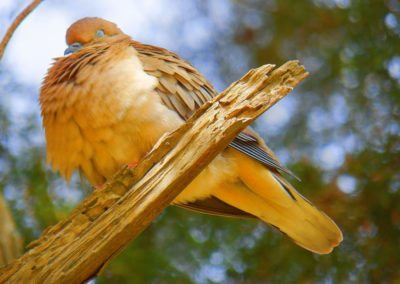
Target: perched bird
x=110 y=98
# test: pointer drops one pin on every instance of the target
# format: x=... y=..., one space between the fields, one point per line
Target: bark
x=75 y=249
x=10 y=240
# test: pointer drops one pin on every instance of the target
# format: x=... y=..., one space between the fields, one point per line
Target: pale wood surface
x=10 y=240
x=75 y=249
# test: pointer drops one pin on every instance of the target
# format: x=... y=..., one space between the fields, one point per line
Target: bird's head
x=88 y=30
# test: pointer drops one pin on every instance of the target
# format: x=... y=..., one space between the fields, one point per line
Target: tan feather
x=184 y=82
x=185 y=97
x=166 y=100
x=179 y=106
x=169 y=83
x=108 y=103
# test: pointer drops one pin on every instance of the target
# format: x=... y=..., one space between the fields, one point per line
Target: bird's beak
x=72 y=48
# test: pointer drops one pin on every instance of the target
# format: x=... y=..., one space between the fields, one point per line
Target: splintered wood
x=74 y=250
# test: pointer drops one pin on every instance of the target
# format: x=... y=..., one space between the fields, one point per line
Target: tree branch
x=75 y=249
x=10 y=241
x=18 y=20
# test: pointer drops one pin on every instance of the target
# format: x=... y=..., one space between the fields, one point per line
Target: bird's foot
x=99 y=187
x=133 y=164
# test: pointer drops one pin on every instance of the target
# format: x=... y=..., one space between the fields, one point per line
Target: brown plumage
x=108 y=103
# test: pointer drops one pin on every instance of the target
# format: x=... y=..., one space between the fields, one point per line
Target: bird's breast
x=108 y=115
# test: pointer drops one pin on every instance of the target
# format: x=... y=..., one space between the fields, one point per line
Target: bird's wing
x=215 y=206
x=183 y=89
x=251 y=144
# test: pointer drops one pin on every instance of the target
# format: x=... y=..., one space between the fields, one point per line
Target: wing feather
x=215 y=206
x=183 y=89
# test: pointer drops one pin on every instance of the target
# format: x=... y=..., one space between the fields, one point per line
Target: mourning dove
x=109 y=100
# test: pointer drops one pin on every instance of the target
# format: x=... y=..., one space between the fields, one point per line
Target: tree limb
x=18 y=20
x=10 y=241
x=75 y=249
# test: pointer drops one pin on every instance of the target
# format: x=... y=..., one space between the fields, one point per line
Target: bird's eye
x=100 y=33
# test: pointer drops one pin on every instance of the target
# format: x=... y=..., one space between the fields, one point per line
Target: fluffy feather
x=110 y=101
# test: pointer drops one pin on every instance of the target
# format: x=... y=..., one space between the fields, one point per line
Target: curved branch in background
x=10 y=240
x=18 y=20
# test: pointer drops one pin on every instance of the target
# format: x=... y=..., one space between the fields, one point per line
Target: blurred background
x=338 y=131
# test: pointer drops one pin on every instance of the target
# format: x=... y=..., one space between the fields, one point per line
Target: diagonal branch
x=75 y=249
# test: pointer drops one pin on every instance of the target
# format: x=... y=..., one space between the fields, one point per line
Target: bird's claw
x=133 y=164
x=99 y=187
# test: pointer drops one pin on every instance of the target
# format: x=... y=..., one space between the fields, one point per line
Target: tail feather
x=273 y=200
x=313 y=214
x=302 y=222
